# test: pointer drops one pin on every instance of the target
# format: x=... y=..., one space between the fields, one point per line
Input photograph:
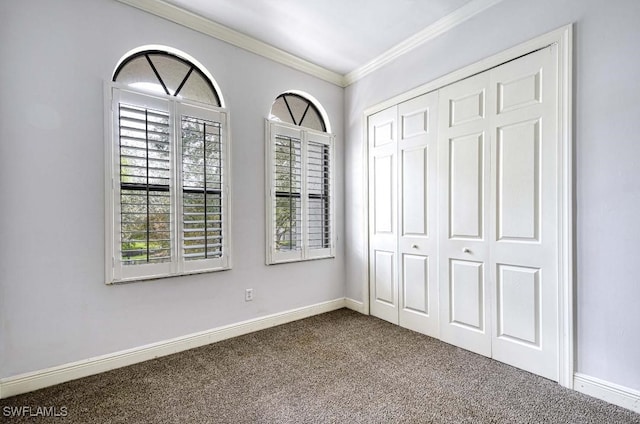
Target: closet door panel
x=383 y=194
x=417 y=240
x=466 y=182
x=415 y=193
x=415 y=275
x=466 y=294
x=518 y=304
x=463 y=160
x=524 y=224
x=383 y=266
x=518 y=181
x=383 y=228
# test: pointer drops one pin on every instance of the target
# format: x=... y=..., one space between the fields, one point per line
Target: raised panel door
x=524 y=216
x=463 y=262
x=417 y=236
x=383 y=228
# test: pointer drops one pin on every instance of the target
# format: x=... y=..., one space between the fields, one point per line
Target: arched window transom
x=297 y=110
x=166 y=73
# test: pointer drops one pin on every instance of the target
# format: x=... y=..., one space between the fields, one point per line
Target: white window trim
x=272 y=129
x=115 y=272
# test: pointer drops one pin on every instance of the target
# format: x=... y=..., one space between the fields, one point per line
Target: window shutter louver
x=318 y=189
x=288 y=194
x=202 y=185
x=145 y=175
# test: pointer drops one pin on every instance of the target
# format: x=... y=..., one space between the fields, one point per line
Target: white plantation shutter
x=145 y=177
x=201 y=189
x=299 y=185
x=287 y=169
x=285 y=222
x=203 y=202
x=142 y=187
x=319 y=201
x=169 y=198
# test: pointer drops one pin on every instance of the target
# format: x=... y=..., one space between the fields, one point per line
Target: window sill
x=288 y=261
x=164 y=276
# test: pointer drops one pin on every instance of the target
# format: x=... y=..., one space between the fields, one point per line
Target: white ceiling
x=339 y=35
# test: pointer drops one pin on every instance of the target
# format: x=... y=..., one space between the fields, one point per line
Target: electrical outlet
x=248 y=295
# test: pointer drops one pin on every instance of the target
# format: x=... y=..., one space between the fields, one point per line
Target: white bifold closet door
x=498 y=206
x=402 y=214
x=481 y=154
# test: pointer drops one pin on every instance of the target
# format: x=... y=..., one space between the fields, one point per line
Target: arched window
x=296 y=109
x=166 y=73
x=300 y=180
x=167 y=208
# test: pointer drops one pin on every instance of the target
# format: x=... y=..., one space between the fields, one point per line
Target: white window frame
x=272 y=130
x=115 y=270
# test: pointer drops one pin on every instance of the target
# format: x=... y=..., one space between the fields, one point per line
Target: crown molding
x=238 y=39
x=439 y=27
x=206 y=26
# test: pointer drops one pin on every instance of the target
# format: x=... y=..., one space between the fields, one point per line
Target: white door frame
x=563 y=37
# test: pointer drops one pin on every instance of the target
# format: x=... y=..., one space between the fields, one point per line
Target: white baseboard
x=11 y=386
x=609 y=392
x=28 y=382
x=354 y=305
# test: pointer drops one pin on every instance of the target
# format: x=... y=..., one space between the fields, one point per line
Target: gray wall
x=607 y=152
x=54 y=305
